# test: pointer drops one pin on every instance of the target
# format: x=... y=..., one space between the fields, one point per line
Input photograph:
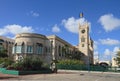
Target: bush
x=71 y=62
x=3 y=53
x=36 y=63
x=6 y=62
x=71 y=65
x=28 y=63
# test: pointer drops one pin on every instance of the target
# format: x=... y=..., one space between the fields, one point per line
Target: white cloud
x=96 y=55
x=107 y=52
x=14 y=29
x=55 y=29
x=109 y=22
x=72 y=24
x=115 y=50
x=35 y=14
x=109 y=41
x=95 y=45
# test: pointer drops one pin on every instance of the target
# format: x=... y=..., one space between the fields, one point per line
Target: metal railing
x=91 y=68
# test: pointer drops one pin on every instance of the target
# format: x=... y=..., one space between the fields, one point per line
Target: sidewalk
x=80 y=71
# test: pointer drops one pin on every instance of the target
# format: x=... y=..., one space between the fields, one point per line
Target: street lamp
x=88 y=58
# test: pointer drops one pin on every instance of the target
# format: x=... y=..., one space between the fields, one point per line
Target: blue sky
x=61 y=17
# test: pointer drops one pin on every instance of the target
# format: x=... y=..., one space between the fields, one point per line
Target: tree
x=118 y=58
x=3 y=53
x=77 y=55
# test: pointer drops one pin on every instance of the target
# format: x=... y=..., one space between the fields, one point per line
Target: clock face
x=83 y=31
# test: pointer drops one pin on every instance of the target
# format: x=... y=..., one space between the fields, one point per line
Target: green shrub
x=6 y=61
x=28 y=63
x=71 y=62
x=3 y=53
x=71 y=65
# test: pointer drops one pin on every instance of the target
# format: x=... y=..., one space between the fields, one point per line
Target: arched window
x=1 y=47
x=29 y=49
x=39 y=49
x=1 y=40
x=18 y=48
x=1 y=44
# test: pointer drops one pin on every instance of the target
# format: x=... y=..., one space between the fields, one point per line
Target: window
x=18 y=49
x=1 y=41
x=1 y=48
x=82 y=45
x=59 y=51
x=1 y=44
x=39 y=50
x=29 y=49
x=82 y=39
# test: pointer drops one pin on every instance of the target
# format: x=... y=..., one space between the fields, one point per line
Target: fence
x=88 y=68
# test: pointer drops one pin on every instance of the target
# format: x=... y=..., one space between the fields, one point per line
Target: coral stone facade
x=52 y=47
x=48 y=48
x=29 y=44
x=86 y=43
x=6 y=44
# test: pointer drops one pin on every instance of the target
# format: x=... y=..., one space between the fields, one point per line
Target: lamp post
x=88 y=58
x=88 y=62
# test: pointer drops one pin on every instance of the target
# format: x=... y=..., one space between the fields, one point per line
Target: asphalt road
x=64 y=76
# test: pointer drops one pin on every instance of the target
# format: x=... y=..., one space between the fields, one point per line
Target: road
x=64 y=76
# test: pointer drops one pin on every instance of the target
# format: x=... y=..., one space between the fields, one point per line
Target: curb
x=76 y=71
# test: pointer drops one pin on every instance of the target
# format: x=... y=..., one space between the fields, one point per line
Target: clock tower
x=84 y=41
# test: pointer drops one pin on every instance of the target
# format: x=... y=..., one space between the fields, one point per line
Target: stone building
x=52 y=47
x=59 y=47
x=48 y=48
x=6 y=44
x=30 y=44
